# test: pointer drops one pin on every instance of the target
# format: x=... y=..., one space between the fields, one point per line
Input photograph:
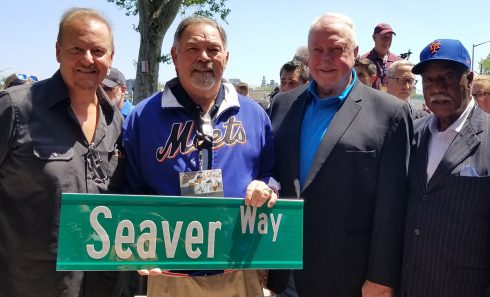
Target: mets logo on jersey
x=180 y=140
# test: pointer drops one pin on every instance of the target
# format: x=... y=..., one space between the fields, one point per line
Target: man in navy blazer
x=447 y=238
x=343 y=147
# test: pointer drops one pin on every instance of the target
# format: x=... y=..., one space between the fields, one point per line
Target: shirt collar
x=312 y=90
x=457 y=125
x=58 y=92
x=230 y=98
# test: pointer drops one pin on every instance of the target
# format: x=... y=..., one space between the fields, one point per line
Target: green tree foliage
x=155 y=17
x=485 y=65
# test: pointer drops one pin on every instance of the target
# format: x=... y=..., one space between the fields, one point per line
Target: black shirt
x=43 y=152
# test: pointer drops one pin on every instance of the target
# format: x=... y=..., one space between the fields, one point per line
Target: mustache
x=439 y=98
x=203 y=67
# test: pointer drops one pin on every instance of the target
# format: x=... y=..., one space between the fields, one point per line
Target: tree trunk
x=155 y=17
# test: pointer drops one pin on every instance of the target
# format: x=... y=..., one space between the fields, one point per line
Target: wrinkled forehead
x=201 y=33
x=404 y=70
x=335 y=32
x=483 y=85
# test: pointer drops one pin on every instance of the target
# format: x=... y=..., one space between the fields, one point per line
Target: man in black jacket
x=447 y=238
x=343 y=148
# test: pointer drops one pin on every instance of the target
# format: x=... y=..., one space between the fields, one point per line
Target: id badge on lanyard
x=205 y=182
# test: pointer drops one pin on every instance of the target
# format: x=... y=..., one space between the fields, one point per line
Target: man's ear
x=227 y=57
x=58 y=49
x=173 y=53
x=470 y=77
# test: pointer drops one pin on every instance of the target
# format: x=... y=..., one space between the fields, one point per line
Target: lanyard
x=204 y=121
x=204 y=140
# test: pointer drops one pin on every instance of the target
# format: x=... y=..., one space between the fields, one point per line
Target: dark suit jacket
x=447 y=248
x=355 y=193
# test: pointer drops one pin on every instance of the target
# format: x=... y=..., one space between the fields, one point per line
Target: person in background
x=366 y=71
x=17 y=79
x=401 y=83
x=115 y=87
x=199 y=124
x=293 y=74
x=343 y=147
x=242 y=88
x=380 y=55
x=57 y=135
x=480 y=90
x=447 y=233
x=301 y=55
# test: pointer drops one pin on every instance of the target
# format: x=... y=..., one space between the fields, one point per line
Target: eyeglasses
x=446 y=79
x=96 y=171
x=481 y=94
x=107 y=89
x=23 y=76
x=403 y=80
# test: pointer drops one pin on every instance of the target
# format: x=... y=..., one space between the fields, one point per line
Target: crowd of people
x=396 y=199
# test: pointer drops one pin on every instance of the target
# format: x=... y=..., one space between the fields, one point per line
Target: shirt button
x=425 y=197
x=417 y=232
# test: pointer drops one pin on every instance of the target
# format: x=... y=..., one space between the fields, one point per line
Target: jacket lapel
x=463 y=146
x=420 y=157
x=294 y=126
x=340 y=123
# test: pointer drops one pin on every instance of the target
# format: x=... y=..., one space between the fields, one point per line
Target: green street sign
x=129 y=232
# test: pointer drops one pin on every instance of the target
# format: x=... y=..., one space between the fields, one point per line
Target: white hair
x=338 y=18
x=400 y=63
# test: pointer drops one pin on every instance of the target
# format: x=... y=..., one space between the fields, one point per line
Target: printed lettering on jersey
x=181 y=138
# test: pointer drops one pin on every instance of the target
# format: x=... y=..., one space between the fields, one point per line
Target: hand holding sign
x=258 y=193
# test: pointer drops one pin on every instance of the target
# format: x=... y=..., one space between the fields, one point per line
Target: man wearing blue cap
x=447 y=235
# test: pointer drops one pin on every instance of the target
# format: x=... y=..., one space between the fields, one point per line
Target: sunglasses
x=23 y=76
x=107 y=89
x=96 y=170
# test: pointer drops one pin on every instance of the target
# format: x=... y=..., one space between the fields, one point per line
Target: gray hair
x=394 y=66
x=302 y=55
x=338 y=18
x=199 y=20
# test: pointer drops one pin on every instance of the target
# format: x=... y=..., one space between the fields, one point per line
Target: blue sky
x=262 y=34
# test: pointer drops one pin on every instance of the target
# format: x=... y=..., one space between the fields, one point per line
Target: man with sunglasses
x=400 y=83
x=447 y=234
x=115 y=87
x=57 y=135
x=17 y=79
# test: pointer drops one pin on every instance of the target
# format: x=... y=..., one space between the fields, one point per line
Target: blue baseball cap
x=443 y=50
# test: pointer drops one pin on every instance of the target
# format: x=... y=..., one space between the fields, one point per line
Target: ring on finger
x=268 y=190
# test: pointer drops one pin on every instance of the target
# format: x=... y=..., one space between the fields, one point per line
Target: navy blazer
x=447 y=237
x=355 y=192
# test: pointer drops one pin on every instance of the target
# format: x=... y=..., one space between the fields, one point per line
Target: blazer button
x=417 y=232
